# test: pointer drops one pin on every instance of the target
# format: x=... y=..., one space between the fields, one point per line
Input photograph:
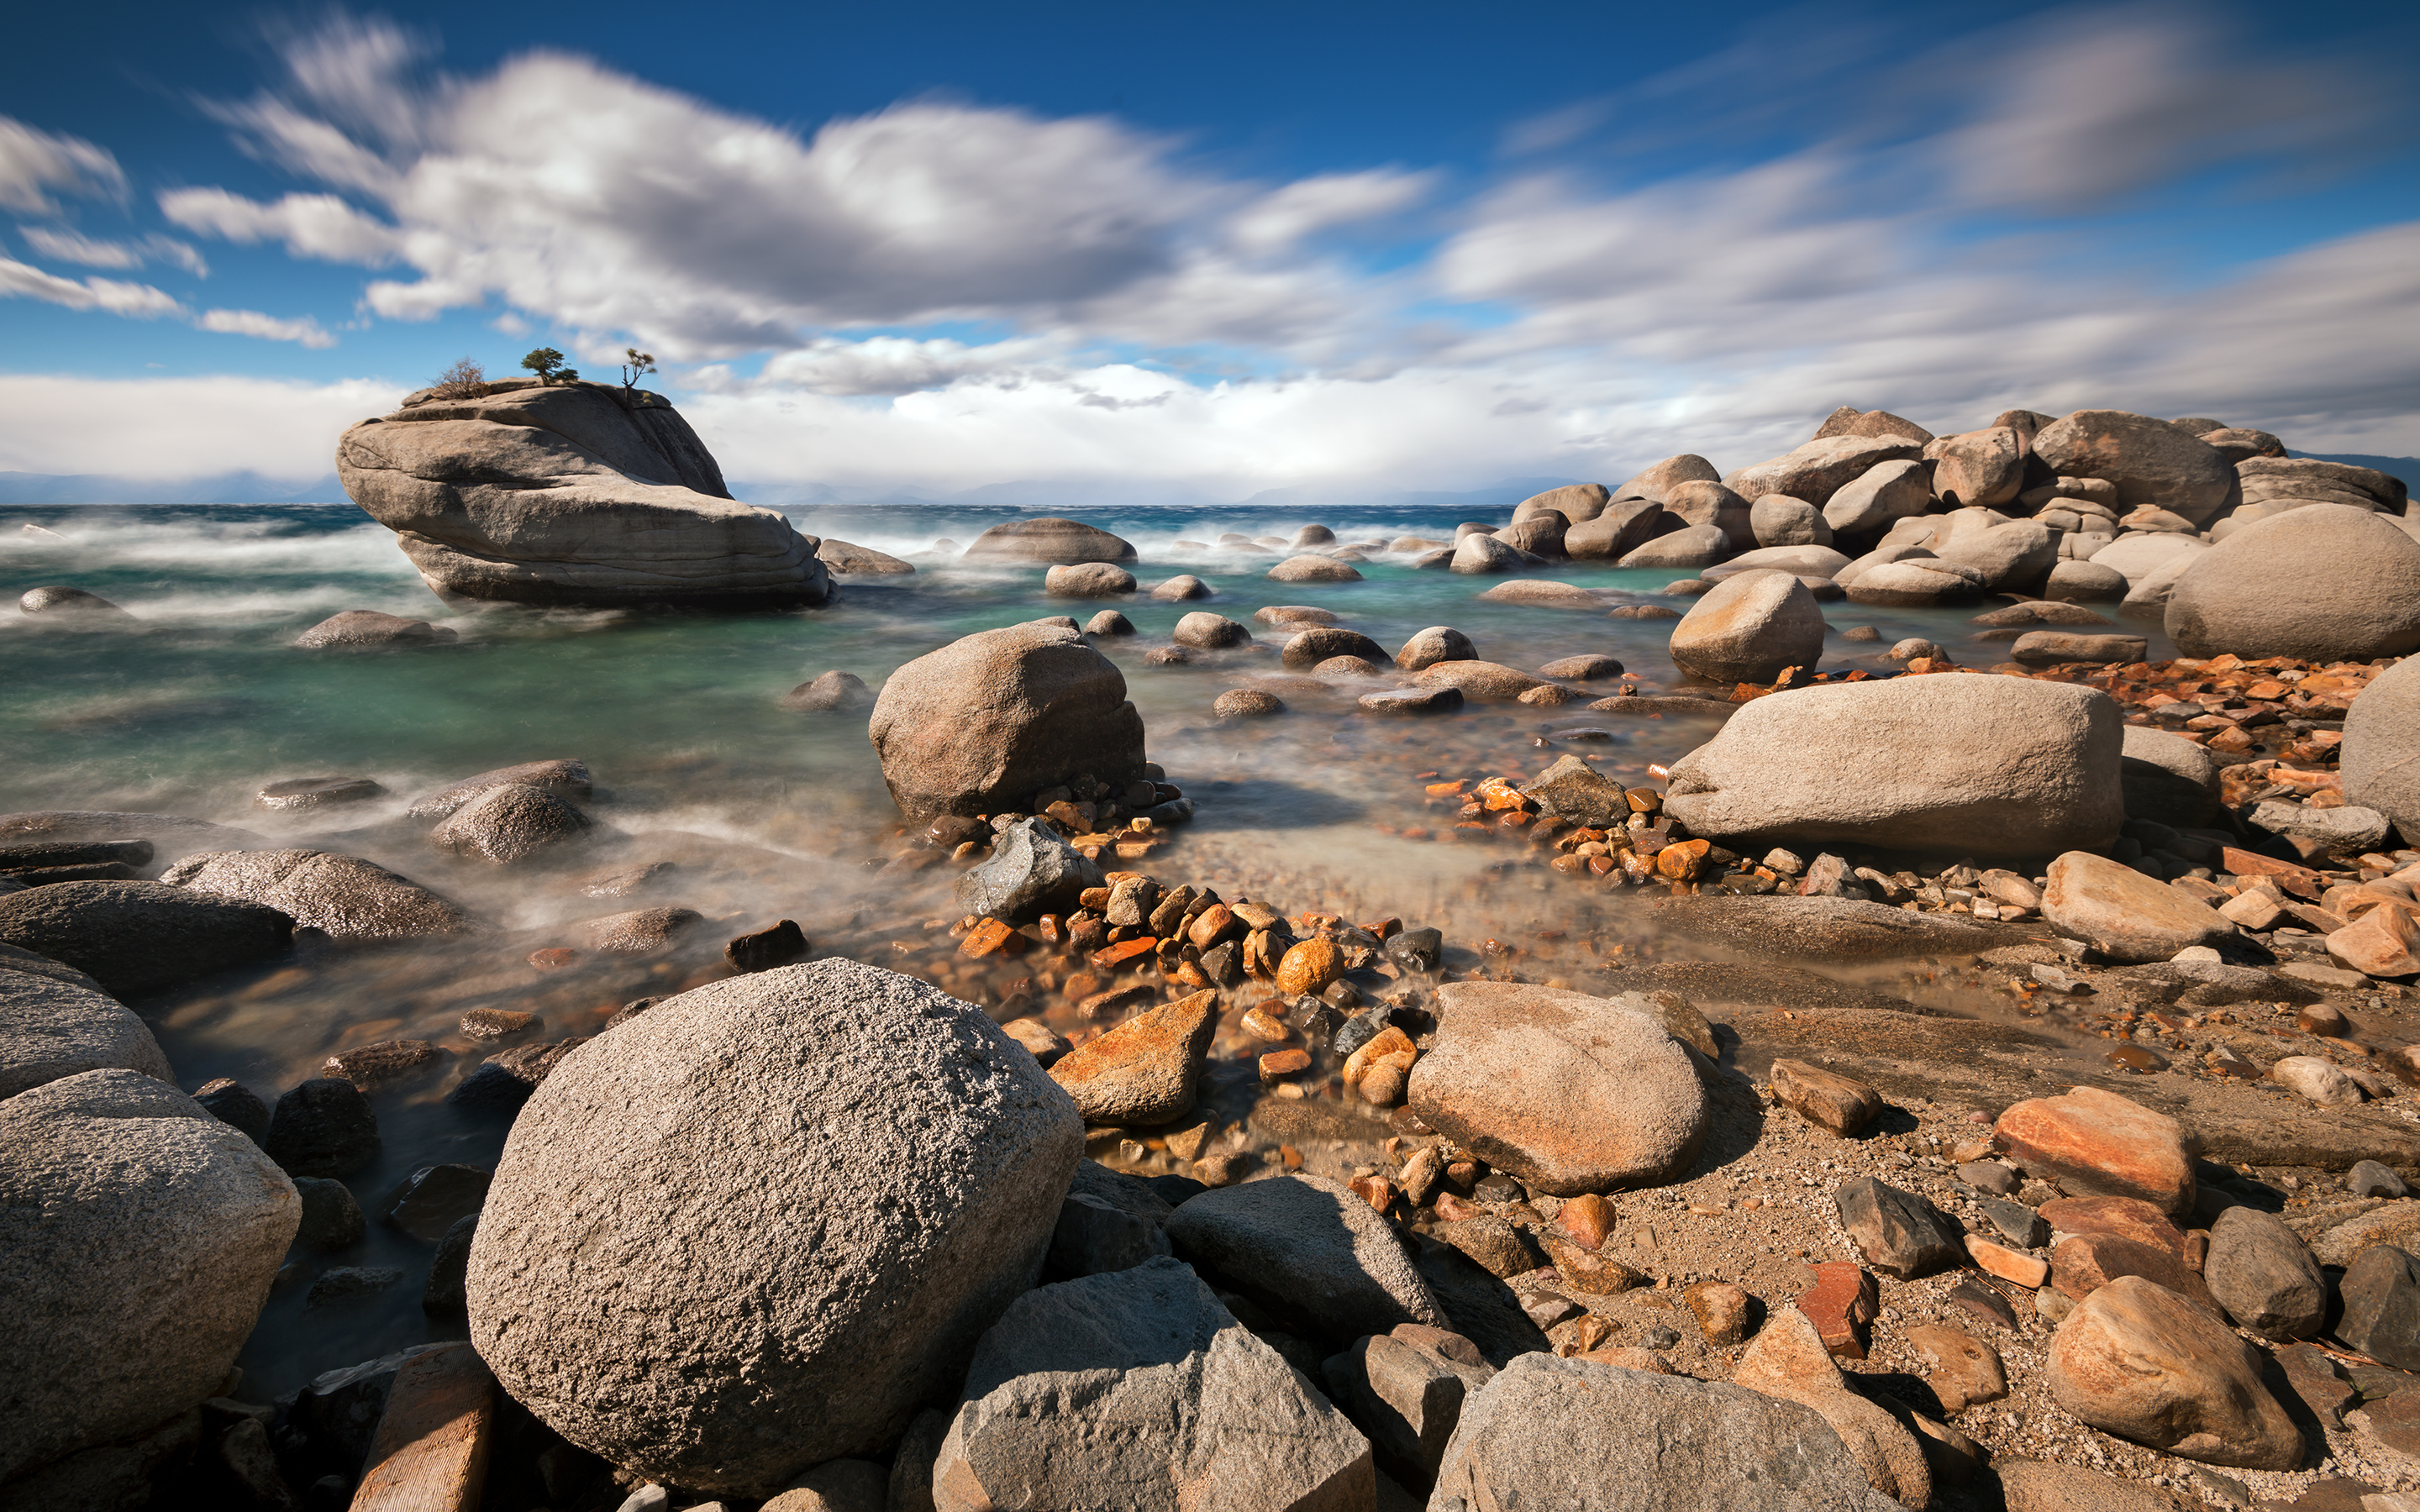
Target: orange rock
x=1375 y=1190
x=2099 y=1144
x=1443 y=790
x=1386 y=1041
x=2009 y=1264
x=555 y=960
x=1587 y=1218
x=1841 y=1304
x=1213 y=924
x=1261 y=1025
x=1310 y=966
x=1110 y=957
x=2083 y=1265
x=2117 y=1218
x=1682 y=862
x=1278 y=1064
x=992 y=937
x=2383 y=942
x=1498 y=794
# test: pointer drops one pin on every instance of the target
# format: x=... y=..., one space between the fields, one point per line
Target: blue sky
x=1349 y=245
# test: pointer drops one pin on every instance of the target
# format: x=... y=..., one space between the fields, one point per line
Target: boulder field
x=1063 y=1183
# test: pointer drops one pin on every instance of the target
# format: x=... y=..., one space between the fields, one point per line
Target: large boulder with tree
x=569 y=493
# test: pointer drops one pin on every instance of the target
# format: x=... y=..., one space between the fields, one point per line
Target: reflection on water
x=765 y=814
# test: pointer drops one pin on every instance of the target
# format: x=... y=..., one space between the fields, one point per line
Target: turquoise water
x=768 y=813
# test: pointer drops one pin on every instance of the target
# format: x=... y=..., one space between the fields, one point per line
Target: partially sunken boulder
x=1139 y=1390
x=344 y=897
x=366 y=629
x=570 y=494
x=985 y=723
x=140 y=936
x=1066 y=542
x=138 y=1237
x=869 y=1163
x=1996 y=765
x=1569 y=1093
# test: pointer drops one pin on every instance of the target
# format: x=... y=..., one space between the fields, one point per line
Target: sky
x=1200 y=254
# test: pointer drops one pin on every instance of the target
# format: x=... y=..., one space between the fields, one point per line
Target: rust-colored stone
x=992 y=937
x=1842 y=1305
x=1280 y=1064
x=1587 y=1218
x=2083 y=1265
x=2117 y=1218
x=1585 y=1270
x=1213 y=924
x=1111 y=957
x=2096 y=1143
x=1310 y=966
x=1682 y=862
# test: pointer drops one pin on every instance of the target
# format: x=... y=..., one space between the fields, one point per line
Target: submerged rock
x=366 y=629
x=1066 y=542
x=565 y=779
x=570 y=494
x=344 y=897
x=69 y=604
x=135 y=937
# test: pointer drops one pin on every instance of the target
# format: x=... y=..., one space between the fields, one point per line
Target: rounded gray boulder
x=987 y=721
x=1750 y=629
x=510 y=823
x=1209 y=632
x=761 y=1225
x=2381 y=758
x=2326 y=582
x=1062 y=541
x=2168 y=779
x=1975 y=764
x=2150 y=460
x=50 y=1029
x=344 y=897
x=138 y=1239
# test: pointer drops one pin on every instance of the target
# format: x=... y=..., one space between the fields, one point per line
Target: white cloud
x=1278 y=220
x=311 y=225
x=181 y=427
x=32 y=163
x=89 y=251
x=305 y=330
x=887 y=364
x=22 y=281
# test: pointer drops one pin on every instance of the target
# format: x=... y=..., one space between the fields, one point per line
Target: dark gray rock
x=1407 y=1398
x=1094 y=1236
x=434 y=1199
x=2381 y=1306
x=340 y=1409
x=1307 y=1245
x=135 y=937
x=367 y=629
x=1032 y=870
x=1061 y=1389
x=1900 y=1233
x=332 y=1220
x=1573 y=789
x=445 y=1293
x=505 y=1080
x=300 y=793
x=2264 y=1275
x=1550 y=1433
x=231 y=1101
x=1412 y=701
x=2369 y=1178
x=2019 y=1224
x=323 y=1127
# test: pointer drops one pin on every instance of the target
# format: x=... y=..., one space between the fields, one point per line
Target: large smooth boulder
x=1315 y=569
x=1569 y=1093
x=1139 y=1390
x=2013 y=555
x=1750 y=629
x=2380 y=759
x=1976 y=764
x=1088 y=579
x=62 y=603
x=1779 y=520
x=2136 y=1359
x=570 y=494
x=1879 y=496
x=760 y=1225
x=1304 y=1244
x=987 y=721
x=1689 y=546
x=566 y=778
x=50 y=1029
x=1541 y=535
x=2328 y=583
x=138 y=1239
x=1438 y=642
x=1980 y=467
x=1066 y=542
x=1821 y=468
x=2300 y=480
x=1551 y=1433
x=139 y=936
x=1661 y=479
x=1916 y=581
x=2150 y=460
x=1573 y=502
x=1710 y=503
x=1479 y=555
x=344 y=897
x=509 y=823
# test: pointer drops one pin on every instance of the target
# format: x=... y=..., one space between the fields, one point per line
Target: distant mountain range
x=1029 y=496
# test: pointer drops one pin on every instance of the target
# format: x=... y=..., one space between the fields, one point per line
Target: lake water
x=767 y=813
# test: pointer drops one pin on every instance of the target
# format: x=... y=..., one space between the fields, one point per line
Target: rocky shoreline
x=1968 y=1086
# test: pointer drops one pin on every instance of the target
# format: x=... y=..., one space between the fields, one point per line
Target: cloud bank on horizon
x=940 y=295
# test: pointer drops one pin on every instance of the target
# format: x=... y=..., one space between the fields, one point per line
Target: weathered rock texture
x=138 y=936
x=343 y=896
x=2326 y=582
x=1139 y=1390
x=1983 y=765
x=760 y=1225
x=570 y=494
x=50 y=1029
x=985 y=722
x=2382 y=749
x=138 y=1237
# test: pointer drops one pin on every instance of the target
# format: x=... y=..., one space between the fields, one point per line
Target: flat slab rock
x=1304 y=1244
